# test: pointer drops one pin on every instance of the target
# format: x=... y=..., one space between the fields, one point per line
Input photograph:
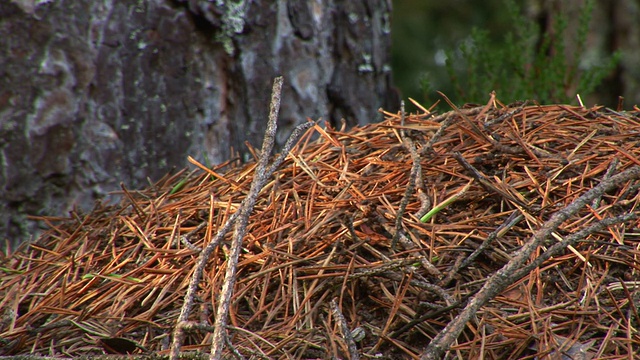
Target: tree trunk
x=98 y=92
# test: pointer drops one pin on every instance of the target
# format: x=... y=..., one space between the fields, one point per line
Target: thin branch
x=261 y=177
x=572 y=239
x=245 y=209
x=474 y=128
x=428 y=315
x=513 y=219
x=409 y=245
x=486 y=183
x=500 y=280
x=610 y=170
x=413 y=175
x=508 y=115
x=178 y=333
x=448 y=120
x=186 y=238
x=344 y=329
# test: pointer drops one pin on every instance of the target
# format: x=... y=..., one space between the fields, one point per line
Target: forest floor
x=364 y=243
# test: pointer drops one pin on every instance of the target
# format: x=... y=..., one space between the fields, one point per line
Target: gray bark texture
x=98 y=92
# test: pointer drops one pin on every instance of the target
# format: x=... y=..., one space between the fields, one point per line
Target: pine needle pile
x=336 y=260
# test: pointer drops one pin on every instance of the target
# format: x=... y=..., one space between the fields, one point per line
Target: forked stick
x=240 y=218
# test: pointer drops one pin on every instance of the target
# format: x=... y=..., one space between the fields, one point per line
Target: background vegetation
x=467 y=49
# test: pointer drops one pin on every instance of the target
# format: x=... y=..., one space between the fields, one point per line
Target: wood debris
x=319 y=243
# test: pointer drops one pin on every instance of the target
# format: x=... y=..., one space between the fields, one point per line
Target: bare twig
x=429 y=315
x=186 y=238
x=448 y=119
x=344 y=329
x=115 y=273
x=513 y=219
x=178 y=333
x=261 y=176
x=474 y=128
x=506 y=116
x=408 y=245
x=416 y=172
x=572 y=239
x=610 y=170
x=498 y=281
x=486 y=184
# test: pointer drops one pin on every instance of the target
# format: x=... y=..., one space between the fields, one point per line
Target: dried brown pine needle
x=322 y=229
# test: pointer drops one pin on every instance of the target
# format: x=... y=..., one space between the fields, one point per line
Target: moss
x=233 y=20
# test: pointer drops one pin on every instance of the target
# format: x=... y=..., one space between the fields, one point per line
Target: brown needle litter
x=316 y=274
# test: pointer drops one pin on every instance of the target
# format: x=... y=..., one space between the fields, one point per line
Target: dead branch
x=502 y=278
x=344 y=329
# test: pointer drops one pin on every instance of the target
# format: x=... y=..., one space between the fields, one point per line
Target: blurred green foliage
x=467 y=49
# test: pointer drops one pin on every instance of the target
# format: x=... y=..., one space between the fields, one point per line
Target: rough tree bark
x=98 y=92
